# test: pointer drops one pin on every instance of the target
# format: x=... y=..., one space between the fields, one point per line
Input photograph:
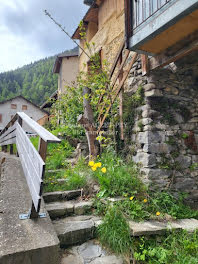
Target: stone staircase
x=71 y=217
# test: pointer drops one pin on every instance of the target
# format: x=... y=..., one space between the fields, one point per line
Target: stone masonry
x=164 y=138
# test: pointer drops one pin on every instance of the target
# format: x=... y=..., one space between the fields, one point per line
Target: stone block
x=149 y=86
x=157 y=148
x=184 y=161
x=154 y=93
x=148 y=137
x=82 y=207
x=147 y=160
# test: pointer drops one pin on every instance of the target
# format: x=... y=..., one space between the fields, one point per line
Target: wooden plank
x=116 y=78
x=119 y=88
x=8 y=141
x=9 y=125
x=7 y=132
x=9 y=136
x=117 y=58
x=41 y=131
x=163 y=60
x=114 y=65
x=32 y=163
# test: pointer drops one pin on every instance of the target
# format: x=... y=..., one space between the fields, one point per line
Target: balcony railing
x=152 y=26
x=144 y=9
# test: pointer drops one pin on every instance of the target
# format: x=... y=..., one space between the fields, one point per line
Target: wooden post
x=145 y=64
x=42 y=149
x=33 y=213
x=11 y=149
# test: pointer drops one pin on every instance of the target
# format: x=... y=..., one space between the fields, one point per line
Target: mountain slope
x=34 y=81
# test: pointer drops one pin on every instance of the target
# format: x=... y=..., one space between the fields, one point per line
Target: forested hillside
x=34 y=81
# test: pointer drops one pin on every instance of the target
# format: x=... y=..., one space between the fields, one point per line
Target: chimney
x=88 y=2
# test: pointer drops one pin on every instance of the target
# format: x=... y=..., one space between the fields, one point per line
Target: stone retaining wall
x=164 y=138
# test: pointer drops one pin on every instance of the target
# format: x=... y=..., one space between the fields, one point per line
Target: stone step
x=90 y=252
x=156 y=227
x=76 y=230
x=61 y=196
x=73 y=207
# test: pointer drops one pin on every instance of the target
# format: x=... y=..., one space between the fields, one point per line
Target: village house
x=67 y=67
x=154 y=46
x=9 y=108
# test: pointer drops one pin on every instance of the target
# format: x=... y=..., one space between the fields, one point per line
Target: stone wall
x=164 y=138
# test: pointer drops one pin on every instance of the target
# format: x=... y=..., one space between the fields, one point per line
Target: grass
x=74 y=178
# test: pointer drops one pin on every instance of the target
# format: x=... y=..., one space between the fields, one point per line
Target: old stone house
x=9 y=108
x=163 y=127
x=67 y=67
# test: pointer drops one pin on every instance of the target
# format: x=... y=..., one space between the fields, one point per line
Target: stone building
x=161 y=127
x=67 y=67
x=10 y=107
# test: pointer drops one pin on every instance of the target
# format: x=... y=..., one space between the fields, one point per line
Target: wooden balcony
x=154 y=25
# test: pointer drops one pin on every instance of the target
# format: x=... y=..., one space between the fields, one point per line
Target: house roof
x=20 y=96
x=68 y=53
x=49 y=102
x=90 y=16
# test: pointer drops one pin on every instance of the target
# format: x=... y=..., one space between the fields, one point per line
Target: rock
x=157 y=148
x=154 y=93
x=147 y=160
x=149 y=86
x=148 y=137
x=184 y=161
x=146 y=121
x=108 y=260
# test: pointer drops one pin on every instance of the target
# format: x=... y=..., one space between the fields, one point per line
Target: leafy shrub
x=176 y=248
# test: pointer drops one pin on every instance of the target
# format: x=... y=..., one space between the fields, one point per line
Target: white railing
x=33 y=161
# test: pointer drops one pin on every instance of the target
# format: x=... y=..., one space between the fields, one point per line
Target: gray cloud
x=26 y=19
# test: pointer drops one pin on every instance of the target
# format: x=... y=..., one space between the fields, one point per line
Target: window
x=24 y=107
x=0 y=118
x=13 y=106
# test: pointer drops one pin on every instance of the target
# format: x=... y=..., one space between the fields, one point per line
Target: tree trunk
x=87 y=120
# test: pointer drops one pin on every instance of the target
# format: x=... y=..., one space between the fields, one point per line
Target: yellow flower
x=104 y=170
x=93 y=168
x=158 y=213
x=145 y=200
x=99 y=164
x=131 y=198
x=91 y=163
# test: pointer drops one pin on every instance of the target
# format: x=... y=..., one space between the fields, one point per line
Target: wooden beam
x=163 y=60
x=116 y=78
x=119 y=88
x=114 y=65
x=121 y=104
x=117 y=58
x=145 y=64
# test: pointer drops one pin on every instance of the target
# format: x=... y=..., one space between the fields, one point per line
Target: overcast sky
x=27 y=34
